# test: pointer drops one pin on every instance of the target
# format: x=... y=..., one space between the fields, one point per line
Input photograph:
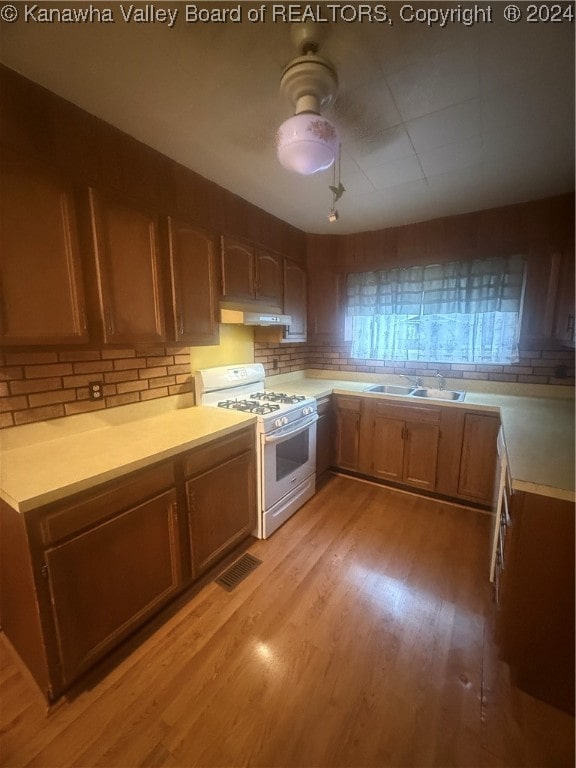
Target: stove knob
x=284 y=420
x=306 y=411
x=277 y=422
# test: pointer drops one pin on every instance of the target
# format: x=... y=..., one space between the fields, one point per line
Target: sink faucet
x=441 y=381
x=414 y=380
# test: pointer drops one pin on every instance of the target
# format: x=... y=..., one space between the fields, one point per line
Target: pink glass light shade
x=307 y=143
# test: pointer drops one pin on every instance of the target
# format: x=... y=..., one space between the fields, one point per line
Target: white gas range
x=286 y=435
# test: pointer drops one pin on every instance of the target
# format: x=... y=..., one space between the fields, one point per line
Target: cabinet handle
x=180 y=324
x=570 y=324
x=109 y=321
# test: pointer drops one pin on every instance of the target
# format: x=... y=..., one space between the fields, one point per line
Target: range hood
x=252 y=317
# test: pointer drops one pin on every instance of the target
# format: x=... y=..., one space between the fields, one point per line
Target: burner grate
x=278 y=397
x=238 y=571
x=249 y=406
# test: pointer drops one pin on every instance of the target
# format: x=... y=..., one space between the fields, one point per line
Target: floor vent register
x=238 y=571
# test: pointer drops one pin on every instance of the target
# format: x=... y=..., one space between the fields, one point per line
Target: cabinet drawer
x=421 y=413
x=217 y=452
x=72 y=517
x=347 y=403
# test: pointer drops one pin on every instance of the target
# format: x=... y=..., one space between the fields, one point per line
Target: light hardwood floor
x=363 y=639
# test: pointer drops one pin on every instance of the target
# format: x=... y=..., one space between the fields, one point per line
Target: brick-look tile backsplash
x=536 y=366
x=36 y=386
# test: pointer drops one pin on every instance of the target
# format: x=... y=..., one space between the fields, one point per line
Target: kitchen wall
x=39 y=384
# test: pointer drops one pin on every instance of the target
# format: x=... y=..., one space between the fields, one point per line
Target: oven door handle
x=290 y=430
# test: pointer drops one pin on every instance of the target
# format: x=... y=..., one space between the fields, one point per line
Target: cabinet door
x=536 y=619
x=106 y=582
x=324 y=436
x=541 y=293
x=128 y=261
x=269 y=279
x=421 y=454
x=564 y=319
x=295 y=300
x=478 y=459
x=238 y=264
x=193 y=267
x=347 y=447
x=222 y=509
x=41 y=283
x=325 y=307
x=386 y=448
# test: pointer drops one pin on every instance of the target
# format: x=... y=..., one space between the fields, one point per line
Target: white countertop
x=55 y=467
x=42 y=463
x=538 y=429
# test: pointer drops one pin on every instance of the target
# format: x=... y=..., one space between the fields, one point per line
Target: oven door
x=288 y=458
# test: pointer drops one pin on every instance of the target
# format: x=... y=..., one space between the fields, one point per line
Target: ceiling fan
x=308 y=142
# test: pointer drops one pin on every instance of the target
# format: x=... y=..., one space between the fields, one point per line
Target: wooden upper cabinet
x=126 y=245
x=194 y=277
x=251 y=274
x=295 y=300
x=41 y=281
x=548 y=311
x=326 y=306
x=565 y=311
x=295 y=296
x=269 y=278
x=238 y=265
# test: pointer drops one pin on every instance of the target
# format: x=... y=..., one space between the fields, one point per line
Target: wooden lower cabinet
x=400 y=443
x=441 y=449
x=107 y=581
x=221 y=497
x=478 y=457
x=221 y=503
x=324 y=435
x=81 y=575
x=347 y=412
x=535 y=619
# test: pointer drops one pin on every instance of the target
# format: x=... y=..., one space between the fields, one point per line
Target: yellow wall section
x=236 y=346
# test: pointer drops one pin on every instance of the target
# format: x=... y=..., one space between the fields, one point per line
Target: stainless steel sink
x=438 y=394
x=390 y=389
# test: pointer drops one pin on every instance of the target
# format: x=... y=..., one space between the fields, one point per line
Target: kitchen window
x=460 y=312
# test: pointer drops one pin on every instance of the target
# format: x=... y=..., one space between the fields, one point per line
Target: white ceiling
x=433 y=121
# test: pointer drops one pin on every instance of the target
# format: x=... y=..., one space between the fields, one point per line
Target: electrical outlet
x=96 y=390
x=275 y=364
